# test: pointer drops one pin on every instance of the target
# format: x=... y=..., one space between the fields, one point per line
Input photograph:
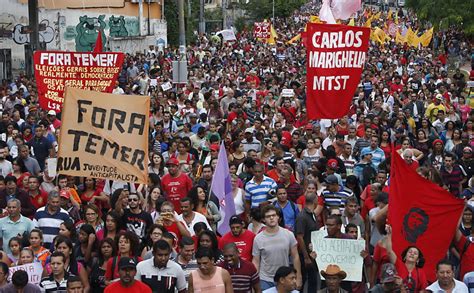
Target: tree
x=444 y=13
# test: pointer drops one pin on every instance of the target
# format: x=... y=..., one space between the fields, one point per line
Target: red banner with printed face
x=421 y=214
x=335 y=57
x=55 y=70
x=262 y=30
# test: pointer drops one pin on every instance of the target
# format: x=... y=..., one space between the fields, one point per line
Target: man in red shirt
x=38 y=197
x=127 y=283
x=243 y=239
x=176 y=185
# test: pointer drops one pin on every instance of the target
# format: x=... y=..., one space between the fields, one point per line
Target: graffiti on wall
x=70 y=33
x=87 y=31
x=132 y=26
x=7 y=23
x=46 y=33
x=117 y=27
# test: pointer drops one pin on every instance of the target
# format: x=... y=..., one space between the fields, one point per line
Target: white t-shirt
x=459 y=287
x=198 y=217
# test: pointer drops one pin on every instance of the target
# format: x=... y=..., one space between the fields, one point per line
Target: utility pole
x=140 y=17
x=182 y=33
x=33 y=30
x=202 y=24
x=224 y=20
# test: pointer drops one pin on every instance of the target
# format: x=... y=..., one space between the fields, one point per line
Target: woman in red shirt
x=128 y=245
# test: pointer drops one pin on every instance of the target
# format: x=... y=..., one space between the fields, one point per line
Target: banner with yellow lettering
x=104 y=136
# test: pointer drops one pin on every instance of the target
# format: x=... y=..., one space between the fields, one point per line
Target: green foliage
x=443 y=13
x=171 y=16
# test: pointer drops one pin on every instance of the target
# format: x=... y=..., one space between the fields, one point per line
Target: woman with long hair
x=86 y=245
x=151 y=198
x=64 y=245
x=208 y=239
x=238 y=154
x=92 y=194
x=422 y=143
x=153 y=235
x=107 y=250
x=238 y=194
x=36 y=245
x=406 y=144
x=92 y=217
x=111 y=228
x=266 y=152
x=454 y=140
x=203 y=205
x=27 y=256
x=313 y=151
x=448 y=131
x=157 y=165
x=185 y=158
x=68 y=230
x=127 y=246
x=386 y=143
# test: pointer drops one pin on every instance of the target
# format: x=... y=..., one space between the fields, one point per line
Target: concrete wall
x=70 y=26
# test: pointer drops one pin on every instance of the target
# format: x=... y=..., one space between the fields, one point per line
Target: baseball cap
x=332 y=163
x=309 y=126
x=249 y=130
x=52 y=112
x=365 y=152
x=65 y=193
x=127 y=262
x=439 y=96
x=235 y=220
x=172 y=161
x=467 y=149
x=214 y=147
x=389 y=273
x=332 y=179
x=385 y=90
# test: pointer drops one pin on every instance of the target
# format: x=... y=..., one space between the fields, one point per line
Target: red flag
x=335 y=58
x=422 y=214
x=98 y=44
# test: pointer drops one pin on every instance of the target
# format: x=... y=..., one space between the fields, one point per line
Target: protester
x=127 y=283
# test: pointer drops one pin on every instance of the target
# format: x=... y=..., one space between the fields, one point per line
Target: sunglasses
x=132 y=199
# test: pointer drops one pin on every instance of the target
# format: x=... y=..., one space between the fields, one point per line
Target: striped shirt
x=49 y=284
x=378 y=156
x=49 y=223
x=162 y=280
x=287 y=157
x=349 y=164
x=336 y=199
x=244 y=276
x=258 y=193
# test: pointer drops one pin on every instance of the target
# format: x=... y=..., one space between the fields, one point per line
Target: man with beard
x=133 y=217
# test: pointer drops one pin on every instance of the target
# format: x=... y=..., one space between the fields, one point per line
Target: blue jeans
x=266 y=285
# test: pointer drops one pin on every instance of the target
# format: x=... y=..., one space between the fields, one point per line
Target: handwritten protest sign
x=34 y=271
x=104 y=136
x=336 y=56
x=343 y=252
x=55 y=70
x=261 y=30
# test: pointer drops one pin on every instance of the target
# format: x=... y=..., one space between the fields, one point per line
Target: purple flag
x=221 y=186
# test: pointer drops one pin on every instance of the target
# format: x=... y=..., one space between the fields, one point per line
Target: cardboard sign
x=166 y=86
x=104 y=136
x=336 y=55
x=262 y=30
x=55 y=70
x=34 y=271
x=287 y=93
x=342 y=252
x=227 y=35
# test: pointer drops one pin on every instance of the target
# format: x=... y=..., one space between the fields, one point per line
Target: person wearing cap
x=128 y=282
x=334 y=195
x=387 y=100
x=160 y=273
x=445 y=279
x=389 y=280
x=249 y=142
x=334 y=276
x=365 y=170
x=440 y=123
x=49 y=217
x=453 y=175
x=243 y=273
x=55 y=123
x=243 y=238
x=433 y=108
x=176 y=184
x=12 y=191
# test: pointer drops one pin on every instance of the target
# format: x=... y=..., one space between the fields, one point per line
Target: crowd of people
x=290 y=175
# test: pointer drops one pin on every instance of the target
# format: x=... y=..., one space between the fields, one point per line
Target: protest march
x=328 y=151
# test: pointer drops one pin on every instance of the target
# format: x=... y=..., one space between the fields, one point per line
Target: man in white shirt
x=190 y=217
x=446 y=281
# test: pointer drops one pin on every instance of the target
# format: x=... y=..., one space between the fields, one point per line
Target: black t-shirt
x=137 y=223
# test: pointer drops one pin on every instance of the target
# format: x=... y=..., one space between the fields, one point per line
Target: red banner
x=421 y=214
x=262 y=30
x=335 y=57
x=54 y=70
